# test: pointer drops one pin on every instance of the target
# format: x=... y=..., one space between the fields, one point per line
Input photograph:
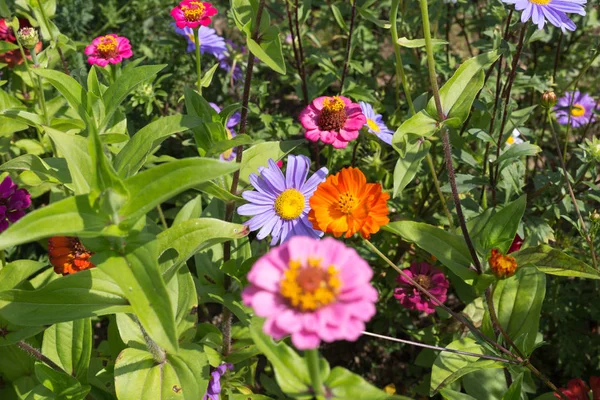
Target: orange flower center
x=424 y=280
x=107 y=46
x=194 y=11
x=289 y=204
x=347 y=202
x=540 y=2
x=503 y=266
x=310 y=287
x=333 y=115
x=578 y=110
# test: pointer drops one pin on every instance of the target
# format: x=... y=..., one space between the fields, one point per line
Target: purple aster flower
x=581 y=106
x=375 y=123
x=427 y=276
x=280 y=204
x=13 y=202
x=554 y=11
x=231 y=122
x=210 y=42
x=227 y=60
x=214 y=385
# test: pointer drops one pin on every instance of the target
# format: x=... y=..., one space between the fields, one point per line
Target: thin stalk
x=430 y=60
x=312 y=362
x=436 y=182
x=330 y=157
x=557 y=56
x=158 y=354
x=40 y=87
x=355 y=151
x=35 y=353
x=198 y=61
x=571 y=194
x=489 y=297
x=349 y=46
x=28 y=68
x=163 y=220
x=60 y=53
x=293 y=33
x=399 y=66
x=300 y=53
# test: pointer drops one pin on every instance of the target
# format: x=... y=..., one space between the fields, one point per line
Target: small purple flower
x=227 y=60
x=580 y=106
x=427 y=276
x=13 y=202
x=553 y=11
x=210 y=42
x=375 y=124
x=214 y=385
x=280 y=204
x=231 y=122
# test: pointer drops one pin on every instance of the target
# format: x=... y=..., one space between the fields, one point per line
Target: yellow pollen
x=578 y=110
x=195 y=12
x=289 y=204
x=334 y=104
x=107 y=45
x=540 y=2
x=510 y=140
x=309 y=287
x=347 y=202
x=373 y=125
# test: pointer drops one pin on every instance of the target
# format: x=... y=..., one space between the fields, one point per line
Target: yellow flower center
x=107 y=46
x=510 y=140
x=333 y=104
x=347 y=202
x=194 y=12
x=578 y=110
x=373 y=125
x=333 y=115
x=540 y=2
x=310 y=287
x=289 y=204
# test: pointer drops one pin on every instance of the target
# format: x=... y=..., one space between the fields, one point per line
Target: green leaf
x=517 y=151
x=136 y=272
x=153 y=186
x=347 y=385
x=53 y=170
x=408 y=165
x=554 y=262
x=74 y=149
x=84 y=294
x=69 y=345
x=448 y=394
x=514 y=391
x=217 y=191
x=339 y=18
x=7 y=46
x=448 y=367
x=14 y=273
x=269 y=49
x=461 y=109
x=183 y=375
x=420 y=124
x=414 y=43
x=518 y=303
x=208 y=76
x=190 y=210
x=73 y=216
x=13 y=333
x=69 y=88
x=447 y=247
x=259 y=155
x=500 y=230
x=63 y=386
x=224 y=145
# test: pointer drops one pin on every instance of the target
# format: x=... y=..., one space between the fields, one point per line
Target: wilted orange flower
x=502 y=266
x=345 y=202
x=68 y=255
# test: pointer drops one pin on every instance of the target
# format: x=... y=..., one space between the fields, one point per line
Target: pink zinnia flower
x=427 y=276
x=516 y=244
x=335 y=120
x=108 y=49
x=312 y=290
x=193 y=13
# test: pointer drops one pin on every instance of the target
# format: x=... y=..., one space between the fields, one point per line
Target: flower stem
x=35 y=353
x=430 y=60
x=436 y=182
x=159 y=355
x=54 y=39
x=349 y=46
x=312 y=362
x=198 y=60
x=399 y=65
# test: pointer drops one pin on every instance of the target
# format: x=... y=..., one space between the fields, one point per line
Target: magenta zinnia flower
x=314 y=290
x=335 y=120
x=13 y=202
x=191 y=14
x=555 y=11
x=581 y=106
x=107 y=49
x=427 y=276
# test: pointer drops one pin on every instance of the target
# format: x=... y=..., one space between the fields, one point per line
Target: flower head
x=192 y=13
x=335 y=120
x=554 y=11
x=279 y=205
x=548 y=99
x=578 y=390
x=210 y=42
x=68 y=255
x=514 y=138
x=580 y=106
x=375 y=124
x=312 y=289
x=28 y=37
x=108 y=49
x=427 y=276
x=503 y=266
x=345 y=202
x=13 y=57
x=230 y=154
x=214 y=385
x=13 y=202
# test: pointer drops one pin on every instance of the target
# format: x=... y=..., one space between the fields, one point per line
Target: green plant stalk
x=162 y=217
x=158 y=354
x=198 y=60
x=312 y=362
x=330 y=157
x=430 y=61
x=40 y=84
x=54 y=39
x=36 y=88
x=436 y=182
x=35 y=353
x=399 y=65
x=348 y=47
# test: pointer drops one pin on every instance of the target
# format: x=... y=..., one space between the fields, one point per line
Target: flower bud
x=503 y=266
x=548 y=99
x=28 y=37
x=595 y=216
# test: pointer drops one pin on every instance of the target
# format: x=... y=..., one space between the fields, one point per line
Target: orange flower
x=68 y=255
x=345 y=202
x=502 y=266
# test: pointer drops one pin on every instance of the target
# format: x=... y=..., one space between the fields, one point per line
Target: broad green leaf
x=14 y=273
x=15 y=363
x=447 y=247
x=259 y=155
x=448 y=367
x=555 y=262
x=420 y=124
x=448 y=394
x=11 y=333
x=268 y=50
x=105 y=178
x=25 y=117
x=69 y=345
x=51 y=169
x=518 y=303
x=339 y=18
x=347 y=385
x=155 y=185
x=190 y=210
x=7 y=46
x=208 y=76
x=461 y=109
x=137 y=274
x=63 y=386
x=408 y=165
x=517 y=151
x=217 y=191
x=184 y=375
x=514 y=391
x=501 y=228
x=133 y=155
x=370 y=16
x=411 y=44
x=84 y=294
x=73 y=216
x=224 y=145
x=69 y=88
x=75 y=150
x=244 y=15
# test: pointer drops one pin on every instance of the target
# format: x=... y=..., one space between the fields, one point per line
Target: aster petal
x=296 y=171
x=267 y=227
x=567 y=7
x=259 y=220
x=274 y=176
x=258 y=198
x=253 y=209
x=311 y=184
